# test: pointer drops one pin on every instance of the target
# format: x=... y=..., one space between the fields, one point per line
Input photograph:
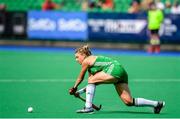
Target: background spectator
x=2 y=7
x=159 y=5
x=175 y=8
x=145 y=4
x=84 y=5
x=92 y=4
x=155 y=19
x=49 y=5
x=88 y=4
x=106 y=4
x=167 y=9
x=135 y=7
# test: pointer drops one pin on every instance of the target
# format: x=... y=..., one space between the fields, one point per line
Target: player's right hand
x=76 y=95
x=72 y=91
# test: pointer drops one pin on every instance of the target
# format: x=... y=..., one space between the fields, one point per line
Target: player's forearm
x=78 y=81
x=80 y=78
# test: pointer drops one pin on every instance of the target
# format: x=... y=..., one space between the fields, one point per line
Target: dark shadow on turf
x=124 y=112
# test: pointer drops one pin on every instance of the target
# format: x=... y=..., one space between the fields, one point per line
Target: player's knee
x=93 y=81
x=90 y=80
x=128 y=102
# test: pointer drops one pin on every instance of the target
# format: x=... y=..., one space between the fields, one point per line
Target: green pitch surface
x=42 y=80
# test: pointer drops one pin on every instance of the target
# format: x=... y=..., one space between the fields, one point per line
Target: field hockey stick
x=93 y=105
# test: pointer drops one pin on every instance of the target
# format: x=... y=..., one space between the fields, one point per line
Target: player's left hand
x=72 y=91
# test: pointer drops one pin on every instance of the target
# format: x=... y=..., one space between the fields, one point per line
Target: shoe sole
x=85 y=112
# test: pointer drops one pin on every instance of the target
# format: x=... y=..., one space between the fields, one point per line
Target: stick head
x=99 y=108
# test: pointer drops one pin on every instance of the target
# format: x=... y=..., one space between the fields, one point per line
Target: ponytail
x=84 y=50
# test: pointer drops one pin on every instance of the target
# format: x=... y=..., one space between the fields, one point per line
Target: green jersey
x=109 y=66
x=155 y=18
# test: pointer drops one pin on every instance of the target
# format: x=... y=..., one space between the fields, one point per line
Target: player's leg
x=157 y=45
x=124 y=93
x=98 y=78
x=90 y=91
x=102 y=78
x=154 y=42
x=151 y=46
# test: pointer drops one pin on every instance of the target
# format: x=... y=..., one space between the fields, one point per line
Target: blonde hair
x=84 y=50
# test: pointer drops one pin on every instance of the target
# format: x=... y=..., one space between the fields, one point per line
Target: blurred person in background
x=84 y=5
x=145 y=4
x=135 y=7
x=100 y=4
x=167 y=9
x=88 y=4
x=2 y=7
x=159 y=5
x=92 y=4
x=106 y=4
x=175 y=8
x=49 y=5
x=155 y=19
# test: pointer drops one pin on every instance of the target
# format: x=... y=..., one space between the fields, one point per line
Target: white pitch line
x=34 y=80
x=91 y=118
x=71 y=80
x=153 y=80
